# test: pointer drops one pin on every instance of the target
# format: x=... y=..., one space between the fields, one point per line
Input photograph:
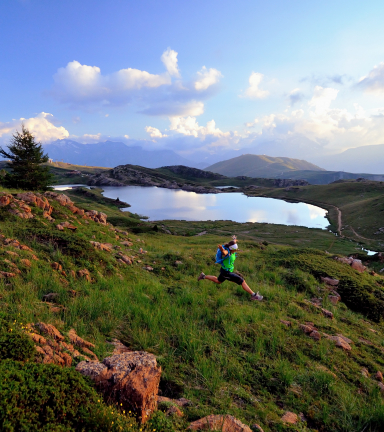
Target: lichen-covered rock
x=130 y=379
x=224 y=423
x=50 y=330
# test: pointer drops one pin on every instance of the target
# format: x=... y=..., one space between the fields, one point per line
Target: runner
x=227 y=268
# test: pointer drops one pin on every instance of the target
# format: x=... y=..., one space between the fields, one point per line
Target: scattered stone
x=333 y=299
x=102 y=246
x=26 y=262
x=290 y=418
x=131 y=378
x=257 y=427
x=50 y=330
x=224 y=423
x=330 y=281
x=178 y=262
x=345 y=339
x=126 y=243
x=381 y=386
x=56 y=266
x=148 y=268
x=174 y=411
x=124 y=258
x=327 y=313
x=4 y=274
x=84 y=273
x=379 y=376
x=60 y=227
x=365 y=341
x=77 y=340
x=37 y=338
x=286 y=323
x=315 y=335
x=51 y=297
x=307 y=329
x=358 y=265
x=365 y=372
x=340 y=342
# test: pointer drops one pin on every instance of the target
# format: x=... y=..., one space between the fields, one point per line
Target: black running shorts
x=232 y=277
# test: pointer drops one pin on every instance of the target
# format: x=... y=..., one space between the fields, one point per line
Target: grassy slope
x=259 y=166
x=226 y=354
x=361 y=204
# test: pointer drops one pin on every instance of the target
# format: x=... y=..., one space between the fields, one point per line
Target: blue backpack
x=219 y=256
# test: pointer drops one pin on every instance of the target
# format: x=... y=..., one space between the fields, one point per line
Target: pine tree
x=26 y=156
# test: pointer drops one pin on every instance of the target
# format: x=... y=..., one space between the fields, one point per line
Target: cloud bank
x=85 y=87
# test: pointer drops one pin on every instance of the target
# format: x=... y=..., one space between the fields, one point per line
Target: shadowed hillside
x=260 y=166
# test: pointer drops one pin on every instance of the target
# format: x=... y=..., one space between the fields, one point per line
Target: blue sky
x=204 y=76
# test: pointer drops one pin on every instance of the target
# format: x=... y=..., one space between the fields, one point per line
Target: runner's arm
x=223 y=251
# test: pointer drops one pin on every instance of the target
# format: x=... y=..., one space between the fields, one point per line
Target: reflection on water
x=160 y=203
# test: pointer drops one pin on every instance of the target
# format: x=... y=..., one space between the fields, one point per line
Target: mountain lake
x=165 y=204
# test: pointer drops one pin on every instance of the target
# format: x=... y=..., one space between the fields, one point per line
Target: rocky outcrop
x=224 y=423
x=280 y=183
x=52 y=346
x=354 y=263
x=185 y=171
x=125 y=175
x=130 y=379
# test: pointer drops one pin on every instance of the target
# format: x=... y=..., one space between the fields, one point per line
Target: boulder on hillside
x=224 y=423
x=358 y=265
x=130 y=379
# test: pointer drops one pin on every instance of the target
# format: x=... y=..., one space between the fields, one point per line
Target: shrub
x=50 y=398
x=16 y=346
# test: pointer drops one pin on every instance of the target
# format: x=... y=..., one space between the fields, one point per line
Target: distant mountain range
x=260 y=166
x=111 y=154
x=364 y=159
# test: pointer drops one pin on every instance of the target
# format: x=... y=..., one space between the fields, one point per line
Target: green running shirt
x=229 y=262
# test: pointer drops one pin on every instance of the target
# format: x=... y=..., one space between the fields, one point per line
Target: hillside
x=260 y=166
x=223 y=353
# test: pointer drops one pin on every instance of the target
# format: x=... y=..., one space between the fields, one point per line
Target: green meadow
x=226 y=354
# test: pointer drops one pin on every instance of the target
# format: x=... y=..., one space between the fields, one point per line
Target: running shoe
x=256 y=296
x=202 y=276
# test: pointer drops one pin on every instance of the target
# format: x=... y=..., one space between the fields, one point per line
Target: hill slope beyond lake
x=260 y=166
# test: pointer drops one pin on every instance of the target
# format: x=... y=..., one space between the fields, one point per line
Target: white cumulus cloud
x=169 y=58
x=253 y=91
x=42 y=128
x=154 y=132
x=374 y=81
x=189 y=126
x=207 y=78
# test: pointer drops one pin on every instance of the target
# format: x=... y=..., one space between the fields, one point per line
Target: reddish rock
x=56 y=266
x=11 y=253
x=47 y=216
x=25 y=248
x=330 y=281
x=315 y=335
x=39 y=350
x=26 y=262
x=327 y=313
x=333 y=299
x=124 y=258
x=379 y=376
x=34 y=257
x=84 y=273
x=340 y=342
x=131 y=379
x=50 y=330
x=365 y=372
x=4 y=274
x=286 y=323
x=5 y=200
x=126 y=243
x=182 y=402
x=381 y=386
x=60 y=198
x=60 y=227
x=174 y=411
x=89 y=352
x=224 y=423
x=345 y=339
x=77 y=340
x=358 y=265
x=66 y=358
x=37 y=338
x=102 y=246
x=307 y=329
x=290 y=418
